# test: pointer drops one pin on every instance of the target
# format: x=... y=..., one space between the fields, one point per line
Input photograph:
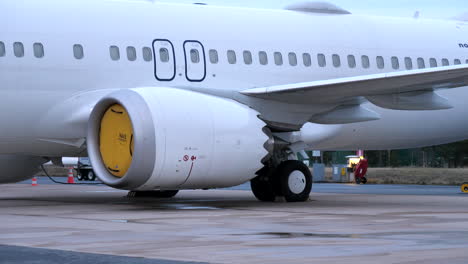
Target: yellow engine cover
x=464 y=188
x=116 y=140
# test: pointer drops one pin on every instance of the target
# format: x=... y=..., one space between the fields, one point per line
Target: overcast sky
x=403 y=8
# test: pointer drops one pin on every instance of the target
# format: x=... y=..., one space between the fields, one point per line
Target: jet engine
x=166 y=139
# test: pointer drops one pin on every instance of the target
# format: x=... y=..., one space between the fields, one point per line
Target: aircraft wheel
x=91 y=176
x=295 y=180
x=464 y=188
x=262 y=186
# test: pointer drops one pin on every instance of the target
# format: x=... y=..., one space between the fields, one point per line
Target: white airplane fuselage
x=33 y=89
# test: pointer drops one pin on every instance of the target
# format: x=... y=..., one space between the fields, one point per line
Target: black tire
x=358 y=180
x=364 y=180
x=79 y=176
x=153 y=194
x=295 y=180
x=263 y=189
x=91 y=176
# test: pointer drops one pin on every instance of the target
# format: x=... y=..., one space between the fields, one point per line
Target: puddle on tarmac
x=119 y=221
x=455 y=237
x=185 y=207
x=168 y=206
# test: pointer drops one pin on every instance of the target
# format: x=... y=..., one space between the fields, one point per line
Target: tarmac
x=53 y=223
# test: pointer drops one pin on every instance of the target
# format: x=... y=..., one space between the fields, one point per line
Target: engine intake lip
x=144 y=153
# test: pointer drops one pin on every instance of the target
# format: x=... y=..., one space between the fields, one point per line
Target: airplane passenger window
x=395 y=63
x=380 y=62
x=247 y=57
x=163 y=55
x=365 y=62
x=307 y=59
x=262 y=55
x=232 y=59
x=131 y=53
x=322 y=61
x=292 y=59
x=214 y=56
x=278 y=58
x=351 y=61
x=18 y=49
x=433 y=62
x=445 y=62
x=408 y=63
x=336 y=60
x=78 y=51
x=147 y=54
x=457 y=62
x=194 y=56
x=38 y=50
x=421 y=63
x=114 y=53
x=2 y=49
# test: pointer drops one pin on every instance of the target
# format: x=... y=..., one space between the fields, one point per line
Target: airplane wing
x=375 y=86
x=405 y=90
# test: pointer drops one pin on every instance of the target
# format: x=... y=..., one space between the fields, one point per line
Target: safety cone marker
x=34 y=181
x=71 y=179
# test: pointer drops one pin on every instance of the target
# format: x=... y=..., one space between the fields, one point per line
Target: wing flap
x=426 y=100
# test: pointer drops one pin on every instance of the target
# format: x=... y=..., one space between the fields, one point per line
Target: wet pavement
x=390 y=189
x=21 y=255
x=381 y=224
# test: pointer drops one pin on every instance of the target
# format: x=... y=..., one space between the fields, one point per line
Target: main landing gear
x=290 y=179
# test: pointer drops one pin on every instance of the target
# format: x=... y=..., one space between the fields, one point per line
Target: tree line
x=454 y=155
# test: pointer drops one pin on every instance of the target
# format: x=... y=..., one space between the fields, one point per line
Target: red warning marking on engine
x=186 y=158
x=193 y=158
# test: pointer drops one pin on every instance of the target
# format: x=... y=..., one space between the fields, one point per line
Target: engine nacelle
x=164 y=139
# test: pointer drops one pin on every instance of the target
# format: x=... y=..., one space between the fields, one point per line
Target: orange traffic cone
x=34 y=181
x=71 y=179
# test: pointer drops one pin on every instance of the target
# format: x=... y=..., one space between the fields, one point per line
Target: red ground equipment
x=360 y=171
x=357 y=166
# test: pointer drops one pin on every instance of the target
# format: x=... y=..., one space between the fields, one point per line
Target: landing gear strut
x=291 y=179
